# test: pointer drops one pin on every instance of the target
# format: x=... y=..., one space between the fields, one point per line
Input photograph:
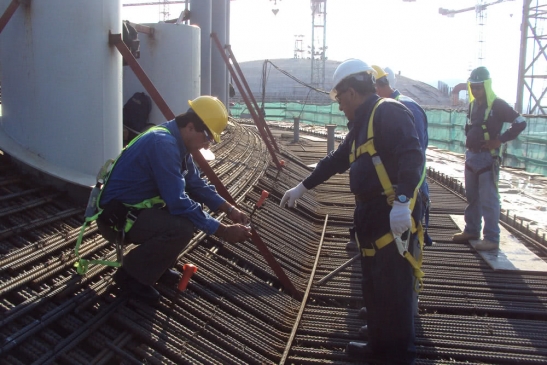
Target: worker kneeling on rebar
x=146 y=197
x=383 y=153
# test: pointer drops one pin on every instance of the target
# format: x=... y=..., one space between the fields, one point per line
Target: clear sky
x=410 y=37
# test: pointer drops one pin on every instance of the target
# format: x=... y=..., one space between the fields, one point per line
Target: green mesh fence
x=446 y=130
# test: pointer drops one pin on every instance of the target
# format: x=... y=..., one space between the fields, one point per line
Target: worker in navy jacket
x=385 y=90
x=388 y=279
x=159 y=164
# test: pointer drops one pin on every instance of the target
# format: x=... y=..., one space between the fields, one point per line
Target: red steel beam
x=251 y=96
x=8 y=14
x=254 y=114
x=116 y=40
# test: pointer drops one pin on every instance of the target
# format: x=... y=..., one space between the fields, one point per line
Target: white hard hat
x=348 y=68
x=390 y=76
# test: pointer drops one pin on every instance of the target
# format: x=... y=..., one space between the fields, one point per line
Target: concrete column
x=219 y=85
x=330 y=137
x=201 y=15
x=296 y=129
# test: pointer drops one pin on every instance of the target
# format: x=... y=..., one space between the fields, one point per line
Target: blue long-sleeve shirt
x=158 y=164
x=396 y=141
x=420 y=122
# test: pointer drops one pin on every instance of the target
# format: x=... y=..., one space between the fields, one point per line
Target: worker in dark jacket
x=383 y=214
x=155 y=167
x=485 y=119
x=384 y=89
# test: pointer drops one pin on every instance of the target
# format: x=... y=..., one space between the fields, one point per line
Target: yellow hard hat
x=379 y=71
x=212 y=112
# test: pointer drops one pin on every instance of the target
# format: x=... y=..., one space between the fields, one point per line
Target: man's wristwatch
x=403 y=199
x=230 y=210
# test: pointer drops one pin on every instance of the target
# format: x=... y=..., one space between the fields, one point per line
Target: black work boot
x=363 y=332
x=363 y=313
x=360 y=350
x=143 y=292
x=170 y=277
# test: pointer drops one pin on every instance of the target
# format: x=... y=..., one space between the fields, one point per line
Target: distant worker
x=154 y=188
x=485 y=119
x=384 y=89
x=391 y=77
x=383 y=153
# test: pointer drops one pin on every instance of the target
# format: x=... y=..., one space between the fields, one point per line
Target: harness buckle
x=402 y=245
x=130 y=219
x=131 y=216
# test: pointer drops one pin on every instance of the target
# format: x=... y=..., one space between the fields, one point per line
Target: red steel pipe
x=256 y=119
x=251 y=96
x=8 y=14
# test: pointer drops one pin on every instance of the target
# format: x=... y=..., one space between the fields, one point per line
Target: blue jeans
x=481 y=189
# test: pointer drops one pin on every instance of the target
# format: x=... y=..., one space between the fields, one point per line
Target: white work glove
x=399 y=218
x=292 y=195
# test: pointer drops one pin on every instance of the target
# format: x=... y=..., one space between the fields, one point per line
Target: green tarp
x=446 y=130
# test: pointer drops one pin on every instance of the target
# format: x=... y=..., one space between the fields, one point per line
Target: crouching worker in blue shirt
x=157 y=168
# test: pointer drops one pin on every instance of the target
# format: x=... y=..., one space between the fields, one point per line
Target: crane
x=480 y=10
x=318 y=43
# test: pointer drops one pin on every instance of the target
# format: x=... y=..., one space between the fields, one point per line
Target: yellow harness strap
x=493 y=152
x=368 y=147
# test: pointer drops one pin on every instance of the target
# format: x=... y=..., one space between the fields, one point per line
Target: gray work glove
x=399 y=218
x=292 y=195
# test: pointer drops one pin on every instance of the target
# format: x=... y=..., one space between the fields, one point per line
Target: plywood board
x=512 y=254
x=313 y=138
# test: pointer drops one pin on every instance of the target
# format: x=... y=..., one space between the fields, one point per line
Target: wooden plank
x=512 y=254
x=313 y=138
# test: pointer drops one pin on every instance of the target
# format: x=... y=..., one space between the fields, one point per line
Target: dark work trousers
x=388 y=285
x=160 y=237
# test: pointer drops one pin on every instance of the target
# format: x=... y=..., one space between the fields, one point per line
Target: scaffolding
x=532 y=78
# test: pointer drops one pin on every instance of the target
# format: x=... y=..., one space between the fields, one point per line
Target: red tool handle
x=263 y=197
x=187 y=271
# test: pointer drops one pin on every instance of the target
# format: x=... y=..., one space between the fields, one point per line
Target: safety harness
x=389 y=192
x=487 y=113
x=94 y=210
x=486 y=135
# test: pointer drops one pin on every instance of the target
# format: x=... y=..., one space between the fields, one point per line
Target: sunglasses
x=337 y=97
x=209 y=137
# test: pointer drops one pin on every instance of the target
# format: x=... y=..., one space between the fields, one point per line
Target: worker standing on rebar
x=485 y=118
x=382 y=137
x=155 y=187
x=384 y=89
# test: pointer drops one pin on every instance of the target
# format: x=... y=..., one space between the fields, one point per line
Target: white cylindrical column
x=201 y=15
x=171 y=59
x=61 y=87
x=219 y=86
